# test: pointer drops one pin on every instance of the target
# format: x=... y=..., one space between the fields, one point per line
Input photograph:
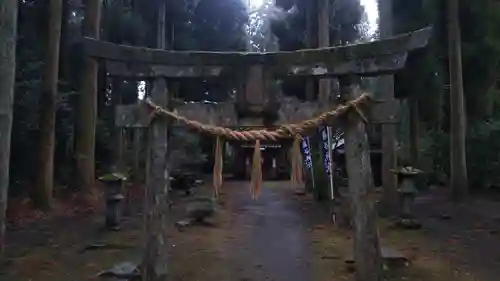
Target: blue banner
x=325 y=149
x=306 y=151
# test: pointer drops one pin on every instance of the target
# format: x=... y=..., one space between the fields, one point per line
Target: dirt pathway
x=275 y=240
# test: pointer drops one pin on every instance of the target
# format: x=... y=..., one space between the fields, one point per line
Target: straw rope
x=297 y=177
x=256 y=176
x=284 y=131
x=218 y=166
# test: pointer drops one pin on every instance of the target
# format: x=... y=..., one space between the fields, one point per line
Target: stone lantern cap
x=405 y=174
x=113 y=177
x=407 y=171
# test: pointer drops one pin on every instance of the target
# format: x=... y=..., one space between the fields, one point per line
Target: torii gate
x=347 y=63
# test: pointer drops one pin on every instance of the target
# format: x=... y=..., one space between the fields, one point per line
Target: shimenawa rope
x=297 y=177
x=284 y=131
x=256 y=176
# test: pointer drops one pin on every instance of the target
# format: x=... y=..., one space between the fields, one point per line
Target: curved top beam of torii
x=374 y=57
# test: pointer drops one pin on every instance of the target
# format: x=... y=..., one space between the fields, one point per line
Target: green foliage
x=483 y=154
x=480 y=33
x=426 y=78
x=435 y=150
x=185 y=150
x=123 y=25
x=346 y=21
x=219 y=25
x=481 y=53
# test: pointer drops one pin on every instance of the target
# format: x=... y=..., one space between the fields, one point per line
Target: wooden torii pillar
x=347 y=63
x=390 y=124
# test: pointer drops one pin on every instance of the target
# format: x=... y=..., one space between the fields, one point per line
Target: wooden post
x=139 y=135
x=87 y=105
x=324 y=41
x=311 y=43
x=156 y=201
x=136 y=171
x=414 y=132
x=154 y=264
x=389 y=127
x=117 y=98
x=361 y=190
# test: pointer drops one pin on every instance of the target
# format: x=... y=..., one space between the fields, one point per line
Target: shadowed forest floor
x=280 y=237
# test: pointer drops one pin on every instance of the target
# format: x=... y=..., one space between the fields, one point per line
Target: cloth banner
x=306 y=151
x=325 y=150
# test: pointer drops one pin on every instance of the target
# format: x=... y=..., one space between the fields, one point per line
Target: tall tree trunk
x=458 y=169
x=8 y=33
x=64 y=68
x=46 y=145
x=389 y=129
x=87 y=107
x=137 y=173
x=414 y=132
x=361 y=190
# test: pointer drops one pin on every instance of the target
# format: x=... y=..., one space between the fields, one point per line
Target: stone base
x=110 y=227
x=183 y=224
x=180 y=225
x=300 y=192
x=391 y=258
x=124 y=270
x=105 y=246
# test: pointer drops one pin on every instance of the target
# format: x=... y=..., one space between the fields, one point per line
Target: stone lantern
x=408 y=192
x=113 y=183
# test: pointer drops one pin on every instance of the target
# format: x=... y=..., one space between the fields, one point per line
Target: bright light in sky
x=254 y=4
x=371 y=9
